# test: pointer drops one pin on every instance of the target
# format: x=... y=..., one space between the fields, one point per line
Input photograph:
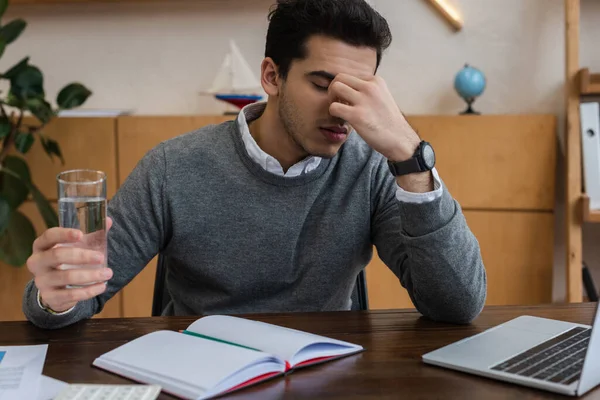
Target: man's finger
x=55 y=298
x=352 y=81
x=54 y=236
x=75 y=276
x=64 y=255
x=340 y=110
x=339 y=91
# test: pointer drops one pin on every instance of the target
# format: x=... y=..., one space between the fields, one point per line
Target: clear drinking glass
x=82 y=205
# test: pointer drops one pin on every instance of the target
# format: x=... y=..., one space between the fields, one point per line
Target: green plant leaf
x=5 y=211
x=3 y=6
x=73 y=95
x=17 y=165
x=48 y=213
x=2 y=46
x=13 y=101
x=17 y=240
x=16 y=69
x=24 y=141
x=5 y=127
x=14 y=178
x=29 y=82
x=40 y=108
x=11 y=31
x=52 y=149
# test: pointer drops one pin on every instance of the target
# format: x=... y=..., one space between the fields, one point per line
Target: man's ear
x=269 y=77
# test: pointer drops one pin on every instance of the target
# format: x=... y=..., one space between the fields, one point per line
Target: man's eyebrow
x=322 y=74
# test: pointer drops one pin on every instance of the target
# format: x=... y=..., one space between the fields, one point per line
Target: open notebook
x=219 y=354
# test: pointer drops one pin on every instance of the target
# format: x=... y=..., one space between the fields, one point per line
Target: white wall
x=156 y=57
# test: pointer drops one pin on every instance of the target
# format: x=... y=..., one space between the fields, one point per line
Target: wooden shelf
x=589 y=215
x=18 y=2
x=589 y=83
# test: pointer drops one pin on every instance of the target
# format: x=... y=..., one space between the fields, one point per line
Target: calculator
x=109 y=392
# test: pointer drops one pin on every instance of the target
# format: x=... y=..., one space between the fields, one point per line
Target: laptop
x=557 y=356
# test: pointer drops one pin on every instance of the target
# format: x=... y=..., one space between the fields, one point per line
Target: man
x=279 y=210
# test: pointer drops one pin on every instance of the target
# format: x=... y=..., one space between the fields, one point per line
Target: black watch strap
x=417 y=163
x=405 y=167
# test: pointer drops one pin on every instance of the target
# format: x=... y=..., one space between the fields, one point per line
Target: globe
x=469 y=83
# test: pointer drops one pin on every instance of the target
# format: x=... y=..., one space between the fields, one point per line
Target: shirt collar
x=269 y=163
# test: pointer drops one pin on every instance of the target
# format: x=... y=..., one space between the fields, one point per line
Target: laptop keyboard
x=558 y=360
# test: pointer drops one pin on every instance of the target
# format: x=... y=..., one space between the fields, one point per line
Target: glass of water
x=82 y=205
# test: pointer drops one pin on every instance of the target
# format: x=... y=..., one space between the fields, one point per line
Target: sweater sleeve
x=431 y=249
x=140 y=217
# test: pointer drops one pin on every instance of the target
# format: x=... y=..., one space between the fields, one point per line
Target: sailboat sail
x=223 y=80
x=243 y=77
x=235 y=82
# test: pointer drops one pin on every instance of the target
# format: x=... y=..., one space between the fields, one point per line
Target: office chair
x=161 y=296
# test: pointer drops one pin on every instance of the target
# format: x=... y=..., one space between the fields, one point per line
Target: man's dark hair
x=293 y=22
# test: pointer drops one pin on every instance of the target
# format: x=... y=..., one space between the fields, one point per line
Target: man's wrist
x=403 y=151
x=418 y=182
x=47 y=308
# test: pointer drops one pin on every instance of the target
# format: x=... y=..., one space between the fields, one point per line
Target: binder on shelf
x=590 y=148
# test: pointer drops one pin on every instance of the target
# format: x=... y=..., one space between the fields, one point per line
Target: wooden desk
x=390 y=368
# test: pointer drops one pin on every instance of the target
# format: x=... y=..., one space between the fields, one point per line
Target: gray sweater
x=240 y=239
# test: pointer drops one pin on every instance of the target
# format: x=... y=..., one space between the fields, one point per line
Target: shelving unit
x=578 y=82
x=589 y=84
x=588 y=214
x=16 y=2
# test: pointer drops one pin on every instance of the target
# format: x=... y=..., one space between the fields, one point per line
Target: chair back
x=161 y=295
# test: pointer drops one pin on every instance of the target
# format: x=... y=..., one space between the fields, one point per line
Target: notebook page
x=183 y=361
x=280 y=341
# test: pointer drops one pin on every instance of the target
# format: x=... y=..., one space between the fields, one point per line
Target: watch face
x=428 y=156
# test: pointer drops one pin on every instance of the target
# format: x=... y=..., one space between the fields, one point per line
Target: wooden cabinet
x=85 y=143
x=501 y=170
x=495 y=162
x=499 y=167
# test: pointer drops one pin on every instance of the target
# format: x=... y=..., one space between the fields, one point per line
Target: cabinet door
x=517 y=250
x=85 y=143
x=515 y=157
x=14 y=279
x=138 y=294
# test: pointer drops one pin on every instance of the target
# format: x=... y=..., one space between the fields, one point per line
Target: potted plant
x=25 y=97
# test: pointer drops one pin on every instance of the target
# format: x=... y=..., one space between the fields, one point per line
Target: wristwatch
x=423 y=160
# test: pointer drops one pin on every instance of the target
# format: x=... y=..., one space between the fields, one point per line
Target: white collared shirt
x=270 y=163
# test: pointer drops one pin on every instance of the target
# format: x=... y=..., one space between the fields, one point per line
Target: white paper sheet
x=20 y=371
x=50 y=388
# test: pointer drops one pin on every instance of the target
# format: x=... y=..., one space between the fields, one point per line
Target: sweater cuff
x=419 y=219
x=41 y=318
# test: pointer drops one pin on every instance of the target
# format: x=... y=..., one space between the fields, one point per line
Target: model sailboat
x=235 y=82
